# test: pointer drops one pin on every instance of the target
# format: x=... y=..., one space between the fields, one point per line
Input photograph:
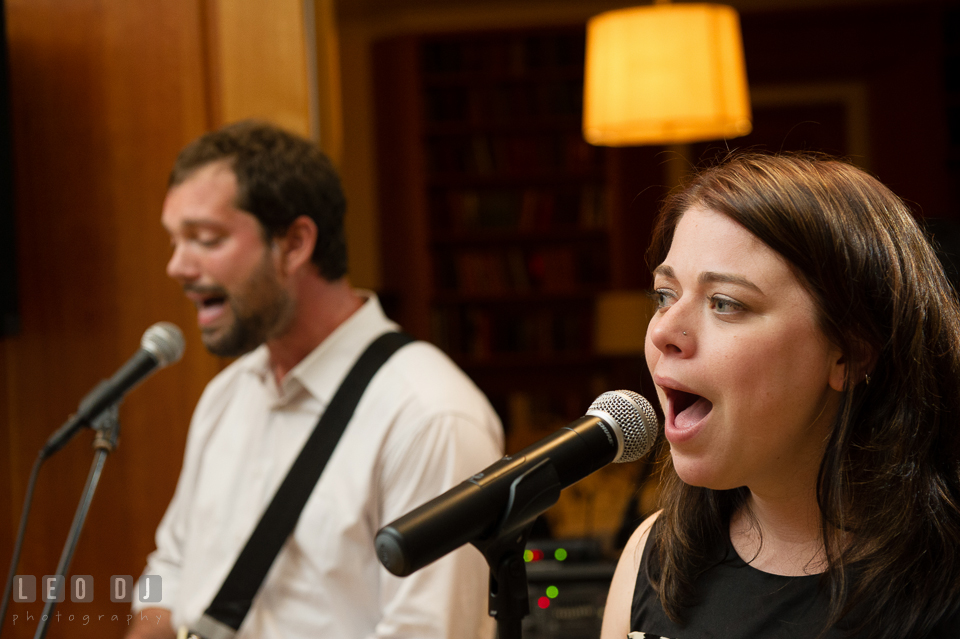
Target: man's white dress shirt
x=420 y=428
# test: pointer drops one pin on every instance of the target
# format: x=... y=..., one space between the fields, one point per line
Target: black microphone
x=162 y=344
x=620 y=426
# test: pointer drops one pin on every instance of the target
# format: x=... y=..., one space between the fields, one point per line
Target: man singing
x=255 y=218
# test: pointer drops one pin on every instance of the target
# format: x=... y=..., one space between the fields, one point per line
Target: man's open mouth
x=210 y=302
x=213 y=300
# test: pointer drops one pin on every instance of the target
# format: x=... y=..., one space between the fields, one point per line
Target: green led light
x=528 y=555
x=552 y=592
x=560 y=554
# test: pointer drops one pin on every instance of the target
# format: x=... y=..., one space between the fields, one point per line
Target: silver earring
x=684 y=332
x=866 y=378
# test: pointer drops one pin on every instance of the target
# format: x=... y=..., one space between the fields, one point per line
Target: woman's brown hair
x=889 y=482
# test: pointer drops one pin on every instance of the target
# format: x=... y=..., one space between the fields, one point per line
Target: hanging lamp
x=665 y=74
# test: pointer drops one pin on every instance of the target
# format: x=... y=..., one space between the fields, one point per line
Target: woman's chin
x=702 y=475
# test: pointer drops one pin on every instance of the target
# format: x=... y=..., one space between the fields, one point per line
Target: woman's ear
x=858 y=371
x=837 y=377
x=869 y=362
x=296 y=245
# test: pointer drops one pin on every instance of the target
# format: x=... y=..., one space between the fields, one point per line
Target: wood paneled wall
x=104 y=94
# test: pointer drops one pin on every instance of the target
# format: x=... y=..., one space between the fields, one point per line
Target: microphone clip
x=531 y=493
x=107 y=427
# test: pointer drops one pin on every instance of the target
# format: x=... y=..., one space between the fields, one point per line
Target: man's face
x=225 y=266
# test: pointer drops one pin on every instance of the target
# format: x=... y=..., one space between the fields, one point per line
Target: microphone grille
x=635 y=417
x=165 y=341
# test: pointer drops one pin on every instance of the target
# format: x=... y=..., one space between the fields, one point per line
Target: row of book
x=488 y=155
x=483 y=334
x=504 y=101
x=539 y=411
x=507 y=54
x=522 y=210
x=494 y=272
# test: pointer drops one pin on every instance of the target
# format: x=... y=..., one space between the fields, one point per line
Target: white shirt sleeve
x=447 y=598
x=167 y=560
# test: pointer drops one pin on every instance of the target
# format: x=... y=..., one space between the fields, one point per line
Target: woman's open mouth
x=686 y=410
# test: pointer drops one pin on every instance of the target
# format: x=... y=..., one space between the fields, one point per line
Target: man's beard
x=262 y=310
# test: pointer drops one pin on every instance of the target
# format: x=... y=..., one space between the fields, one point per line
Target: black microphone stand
x=530 y=494
x=107 y=427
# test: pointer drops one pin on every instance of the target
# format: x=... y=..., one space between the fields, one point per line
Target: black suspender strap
x=232 y=603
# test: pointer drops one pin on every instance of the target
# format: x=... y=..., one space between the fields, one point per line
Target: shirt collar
x=322 y=370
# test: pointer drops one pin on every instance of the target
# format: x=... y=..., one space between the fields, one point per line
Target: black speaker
x=567 y=582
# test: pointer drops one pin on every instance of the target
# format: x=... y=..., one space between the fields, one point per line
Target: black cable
x=18 y=546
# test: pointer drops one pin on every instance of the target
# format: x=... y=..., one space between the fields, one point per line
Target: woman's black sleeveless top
x=737 y=601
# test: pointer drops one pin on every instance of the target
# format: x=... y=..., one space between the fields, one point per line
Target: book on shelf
x=485 y=154
x=524 y=210
x=578 y=155
x=593 y=209
x=513 y=55
x=517 y=274
x=553 y=270
x=483 y=333
x=488 y=209
x=484 y=162
x=481 y=273
x=495 y=272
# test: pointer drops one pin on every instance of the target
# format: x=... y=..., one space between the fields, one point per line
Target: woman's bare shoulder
x=616 y=615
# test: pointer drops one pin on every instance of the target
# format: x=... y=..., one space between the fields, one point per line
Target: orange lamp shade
x=665 y=74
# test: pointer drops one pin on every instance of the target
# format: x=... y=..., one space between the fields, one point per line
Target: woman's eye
x=725 y=305
x=661 y=297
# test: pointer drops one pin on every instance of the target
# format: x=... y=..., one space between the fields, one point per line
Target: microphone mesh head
x=635 y=418
x=165 y=341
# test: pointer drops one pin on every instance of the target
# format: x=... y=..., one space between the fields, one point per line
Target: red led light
x=543 y=602
x=537 y=555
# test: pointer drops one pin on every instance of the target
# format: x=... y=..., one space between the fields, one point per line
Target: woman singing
x=806 y=354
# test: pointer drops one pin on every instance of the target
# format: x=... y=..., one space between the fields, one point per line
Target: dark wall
x=9 y=319
x=896 y=53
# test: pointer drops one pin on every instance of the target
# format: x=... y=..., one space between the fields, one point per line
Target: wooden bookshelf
x=500 y=225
